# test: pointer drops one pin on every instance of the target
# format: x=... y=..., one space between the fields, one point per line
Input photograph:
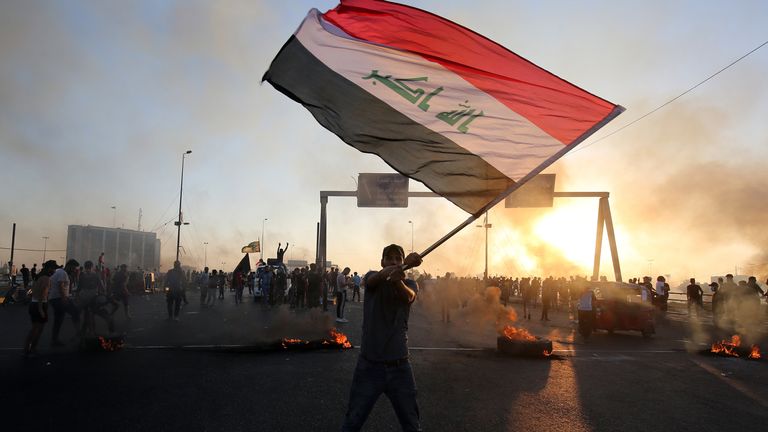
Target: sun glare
x=511 y=249
x=570 y=227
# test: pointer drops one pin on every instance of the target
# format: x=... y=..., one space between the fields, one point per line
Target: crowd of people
x=81 y=292
x=94 y=291
x=561 y=293
x=273 y=285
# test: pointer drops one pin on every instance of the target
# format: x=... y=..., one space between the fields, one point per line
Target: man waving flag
x=438 y=102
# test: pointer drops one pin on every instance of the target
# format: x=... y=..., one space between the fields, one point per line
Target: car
x=619 y=306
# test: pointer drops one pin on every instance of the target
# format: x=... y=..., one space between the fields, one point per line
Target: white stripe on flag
x=503 y=138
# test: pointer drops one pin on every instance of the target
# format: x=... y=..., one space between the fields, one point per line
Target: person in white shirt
x=645 y=294
x=203 y=282
x=586 y=311
x=342 y=282
x=58 y=298
x=662 y=293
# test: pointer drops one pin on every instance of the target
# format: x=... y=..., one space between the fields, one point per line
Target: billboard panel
x=537 y=192
x=382 y=190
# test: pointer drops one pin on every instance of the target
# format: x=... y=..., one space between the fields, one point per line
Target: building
x=292 y=264
x=120 y=246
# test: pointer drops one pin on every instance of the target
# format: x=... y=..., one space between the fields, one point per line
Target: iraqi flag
x=436 y=101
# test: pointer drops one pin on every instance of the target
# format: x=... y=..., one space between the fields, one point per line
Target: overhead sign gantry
x=391 y=190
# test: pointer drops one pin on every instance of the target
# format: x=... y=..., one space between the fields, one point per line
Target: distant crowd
x=93 y=291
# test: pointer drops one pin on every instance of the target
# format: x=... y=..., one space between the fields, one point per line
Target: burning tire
x=110 y=343
x=524 y=348
x=519 y=342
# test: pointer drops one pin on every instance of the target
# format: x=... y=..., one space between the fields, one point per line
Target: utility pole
x=139 y=228
x=411 y=222
x=261 y=246
x=13 y=246
x=205 y=262
x=181 y=191
x=45 y=246
x=485 y=225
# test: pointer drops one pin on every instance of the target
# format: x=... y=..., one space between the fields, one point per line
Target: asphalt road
x=201 y=374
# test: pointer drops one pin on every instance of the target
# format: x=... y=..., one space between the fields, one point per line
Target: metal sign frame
x=604 y=221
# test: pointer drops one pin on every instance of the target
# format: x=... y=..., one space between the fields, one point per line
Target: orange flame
x=339 y=338
x=110 y=345
x=513 y=333
x=727 y=348
x=755 y=354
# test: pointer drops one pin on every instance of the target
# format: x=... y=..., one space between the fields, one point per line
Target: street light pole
x=485 y=225
x=205 y=262
x=411 y=222
x=45 y=246
x=114 y=216
x=181 y=191
x=486 y=245
x=261 y=246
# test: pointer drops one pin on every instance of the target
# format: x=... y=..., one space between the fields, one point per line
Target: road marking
x=215 y=346
x=183 y=346
x=151 y=346
x=448 y=349
x=618 y=352
x=735 y=384
x=557 y=351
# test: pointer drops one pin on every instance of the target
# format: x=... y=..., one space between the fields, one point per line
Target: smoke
x=742 y=315
x=287 y=324
x=690 y=200
x=699 y=335
x=484 y=309
x=473 y=314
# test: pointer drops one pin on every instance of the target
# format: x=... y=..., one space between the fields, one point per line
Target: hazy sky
x=99 y=99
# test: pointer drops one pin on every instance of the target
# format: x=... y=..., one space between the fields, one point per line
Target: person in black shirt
x=120 y=293
x=383 y=365
x=314 y=286
x=281 y=252
x=695 y=296
x=25 y=277
x=175 y=281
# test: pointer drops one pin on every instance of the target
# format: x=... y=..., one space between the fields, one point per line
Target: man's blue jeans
x=370 y=381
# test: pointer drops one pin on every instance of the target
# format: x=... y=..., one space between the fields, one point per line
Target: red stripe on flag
x=561 y=109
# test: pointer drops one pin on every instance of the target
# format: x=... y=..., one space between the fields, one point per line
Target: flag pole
x=618 y=109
